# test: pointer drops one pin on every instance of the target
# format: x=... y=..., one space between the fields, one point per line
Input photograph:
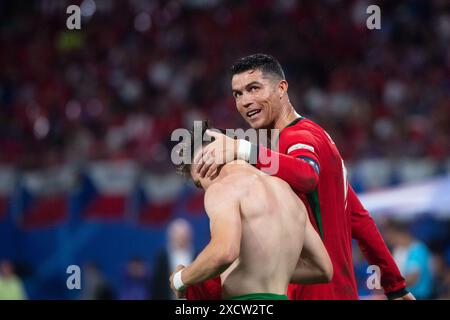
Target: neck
x=224 y=171
x=287 y=115
x=230 y=168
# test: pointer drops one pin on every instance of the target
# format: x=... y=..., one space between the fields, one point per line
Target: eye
x=254 y=89
x=237 y=94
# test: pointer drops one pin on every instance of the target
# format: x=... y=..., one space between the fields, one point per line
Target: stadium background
x=86 y=118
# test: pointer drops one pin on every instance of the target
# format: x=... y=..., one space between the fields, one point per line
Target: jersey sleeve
x=372 y=245
x=297 y=162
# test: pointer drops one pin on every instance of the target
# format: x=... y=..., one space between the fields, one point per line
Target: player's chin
x=254 y=124
x=258 y=124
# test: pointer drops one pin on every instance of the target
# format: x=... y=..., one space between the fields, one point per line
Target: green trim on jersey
x=294 y=122
x=313 y=199
x=289 y=125
x=260 y=296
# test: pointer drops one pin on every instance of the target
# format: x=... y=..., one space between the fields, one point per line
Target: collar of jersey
x=294 y=122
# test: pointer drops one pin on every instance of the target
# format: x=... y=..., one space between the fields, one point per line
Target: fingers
x=202 y=156
x=206 y=165
x=209 y=164
x=198 y=159
x=211 y=148
x=213 y=134
x=212 y=169
x=208 y=160
x=179 y=267
x=214 y=175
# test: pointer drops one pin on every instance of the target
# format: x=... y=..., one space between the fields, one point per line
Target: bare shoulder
x=223 y=194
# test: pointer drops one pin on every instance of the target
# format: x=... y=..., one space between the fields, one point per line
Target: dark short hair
x=184 y=168
x=259 y=61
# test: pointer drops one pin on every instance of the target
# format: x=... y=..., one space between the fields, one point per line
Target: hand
x=408 y=296
x=180 y=294
x=222 y=150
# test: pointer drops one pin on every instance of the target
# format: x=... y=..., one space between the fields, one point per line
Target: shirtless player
x=259 y=227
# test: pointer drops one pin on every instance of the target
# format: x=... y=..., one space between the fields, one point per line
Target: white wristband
x=244 y=148
x=177 y=282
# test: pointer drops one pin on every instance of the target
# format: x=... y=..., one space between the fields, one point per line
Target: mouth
x=252 y=113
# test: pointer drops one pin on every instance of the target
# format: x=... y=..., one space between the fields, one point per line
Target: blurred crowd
x=139 y=69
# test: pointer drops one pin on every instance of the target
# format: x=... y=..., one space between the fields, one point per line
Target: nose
x=246 y=100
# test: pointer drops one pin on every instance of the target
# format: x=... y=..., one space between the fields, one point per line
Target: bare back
x=273 y=225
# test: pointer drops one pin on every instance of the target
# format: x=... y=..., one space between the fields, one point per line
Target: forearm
x=314 y=264
x=209 y=264
x=376 y=253
x=372 y=245
x=298 y=173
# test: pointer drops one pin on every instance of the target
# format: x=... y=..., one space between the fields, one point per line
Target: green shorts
x=260 y=296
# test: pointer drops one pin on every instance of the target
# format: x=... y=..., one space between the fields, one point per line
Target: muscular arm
x=299 y=167
x=298 y=162
x=224 y=246
x=372 y=245
x=298 y=172
x=314 y=264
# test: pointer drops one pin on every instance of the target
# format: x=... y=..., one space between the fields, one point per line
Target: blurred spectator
x=441 y=270
x=179 y=250
x=136 y=281
x=412 y=257
x=11 y=286
x=95 y=285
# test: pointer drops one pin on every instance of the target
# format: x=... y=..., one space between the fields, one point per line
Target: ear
x=282 y=88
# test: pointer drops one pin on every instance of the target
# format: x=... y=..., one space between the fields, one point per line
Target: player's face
x=256 y=98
